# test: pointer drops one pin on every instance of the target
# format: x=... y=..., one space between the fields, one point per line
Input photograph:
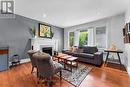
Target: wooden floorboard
x=20 y=76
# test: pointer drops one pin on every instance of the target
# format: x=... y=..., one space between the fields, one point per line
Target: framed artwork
x=128 y=27
x=44 y=31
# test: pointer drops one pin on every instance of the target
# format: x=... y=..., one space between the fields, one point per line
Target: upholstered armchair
x=33 y=60
x=46 y=67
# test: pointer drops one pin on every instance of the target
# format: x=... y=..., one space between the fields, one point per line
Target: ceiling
x=66 y=13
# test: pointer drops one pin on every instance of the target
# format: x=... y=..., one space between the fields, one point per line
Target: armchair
x=46 y=67
x=33 y=60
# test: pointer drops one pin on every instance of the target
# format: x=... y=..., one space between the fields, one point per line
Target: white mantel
x=39 y=43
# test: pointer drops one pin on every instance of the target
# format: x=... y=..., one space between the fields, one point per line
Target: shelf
x=113 y=61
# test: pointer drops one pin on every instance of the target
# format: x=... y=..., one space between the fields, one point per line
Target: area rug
x=77 y=75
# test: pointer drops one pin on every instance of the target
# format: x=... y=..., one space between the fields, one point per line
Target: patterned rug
x=77 y=75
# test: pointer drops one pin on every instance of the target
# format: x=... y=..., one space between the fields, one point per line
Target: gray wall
x=15 y=34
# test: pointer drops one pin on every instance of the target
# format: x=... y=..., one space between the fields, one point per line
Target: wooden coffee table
x=56 y=57
x=67 y=60
x=71 y=62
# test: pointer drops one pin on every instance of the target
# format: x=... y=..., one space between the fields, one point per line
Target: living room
x=82 y=31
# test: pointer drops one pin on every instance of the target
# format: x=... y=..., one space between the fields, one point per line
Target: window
x=83 y=38
x=101 y=37
x=71 y=39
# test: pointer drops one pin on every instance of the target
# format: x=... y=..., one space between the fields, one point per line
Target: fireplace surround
x=43 y=43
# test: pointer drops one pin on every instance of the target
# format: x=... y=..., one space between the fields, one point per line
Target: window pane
x=83 y=38
x=101 y=37
x=71 y=39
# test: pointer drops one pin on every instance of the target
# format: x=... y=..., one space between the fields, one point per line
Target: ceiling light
x=44 y=15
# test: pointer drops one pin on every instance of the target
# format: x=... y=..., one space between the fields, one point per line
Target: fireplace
x=39 y=43
x=47 y=50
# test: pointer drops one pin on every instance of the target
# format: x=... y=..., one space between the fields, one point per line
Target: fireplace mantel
x=39 y=43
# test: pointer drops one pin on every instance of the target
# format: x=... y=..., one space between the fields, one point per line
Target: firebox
x=47 y=50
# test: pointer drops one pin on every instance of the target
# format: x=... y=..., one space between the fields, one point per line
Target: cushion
x=42 y=56
x=74 y=49
x=31 y=51
x=75 y=54
x=70 y=49
x=85 y=55
x=89 y=49
x=79 y=50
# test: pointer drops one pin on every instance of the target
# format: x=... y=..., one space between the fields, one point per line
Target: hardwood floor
x=20 y=76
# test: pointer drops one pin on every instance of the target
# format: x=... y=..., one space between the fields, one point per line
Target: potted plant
x=51 y=34
x=33 y=31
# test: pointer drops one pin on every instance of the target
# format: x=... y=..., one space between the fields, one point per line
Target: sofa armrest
x=98 y=58
x=98 y=53
x=64 y=50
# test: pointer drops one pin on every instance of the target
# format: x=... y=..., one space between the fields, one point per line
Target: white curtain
x=91 y=39
x=76 y=38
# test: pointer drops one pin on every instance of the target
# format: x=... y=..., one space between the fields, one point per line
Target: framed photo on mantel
x=44 y=31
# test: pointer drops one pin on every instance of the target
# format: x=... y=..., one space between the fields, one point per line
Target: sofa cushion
x=85 y=55
x=79 y=50
x=89 y=49
x=75 y=54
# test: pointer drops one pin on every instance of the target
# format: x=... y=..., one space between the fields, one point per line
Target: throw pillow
x=79 y=50
x=74 y=49
x=71 y=49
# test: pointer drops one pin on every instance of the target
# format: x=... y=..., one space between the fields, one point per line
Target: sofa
x=88 y=54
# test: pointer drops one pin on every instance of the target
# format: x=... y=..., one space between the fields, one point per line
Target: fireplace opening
x=47 y=50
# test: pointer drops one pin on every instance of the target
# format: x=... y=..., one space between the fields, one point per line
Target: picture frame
x=128 y=25
x=44 y=31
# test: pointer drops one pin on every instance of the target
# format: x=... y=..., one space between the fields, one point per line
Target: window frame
x=69 y=38
x=106 y=32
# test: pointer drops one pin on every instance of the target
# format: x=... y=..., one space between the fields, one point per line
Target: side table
x=113 y=51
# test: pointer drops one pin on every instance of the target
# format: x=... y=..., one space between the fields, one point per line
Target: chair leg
x=49 y=80
x=60 y=75
x=32 y=69
x=37 y=73
x=39 y=79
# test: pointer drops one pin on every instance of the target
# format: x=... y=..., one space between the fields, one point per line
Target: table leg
x=119 y=59
x=58 y=60
x=64 y=64
x=71 y=67
x=106 y=57
x=76 y=64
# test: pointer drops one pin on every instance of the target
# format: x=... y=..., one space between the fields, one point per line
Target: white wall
x=127 y=15
x=114 y=26
x=127 y=46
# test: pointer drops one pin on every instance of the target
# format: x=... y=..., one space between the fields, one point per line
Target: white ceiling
x=66 y=13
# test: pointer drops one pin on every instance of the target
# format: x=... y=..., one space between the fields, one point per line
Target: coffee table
x=71 y=62
x=67 y=60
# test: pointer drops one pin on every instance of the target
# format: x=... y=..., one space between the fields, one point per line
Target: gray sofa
x=87 y=54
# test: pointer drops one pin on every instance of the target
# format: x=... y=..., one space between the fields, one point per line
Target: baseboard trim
x=22 y=61
x=25 y=60
x=128 y=70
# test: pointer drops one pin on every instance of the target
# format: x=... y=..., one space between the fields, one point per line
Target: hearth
x=47 y=50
